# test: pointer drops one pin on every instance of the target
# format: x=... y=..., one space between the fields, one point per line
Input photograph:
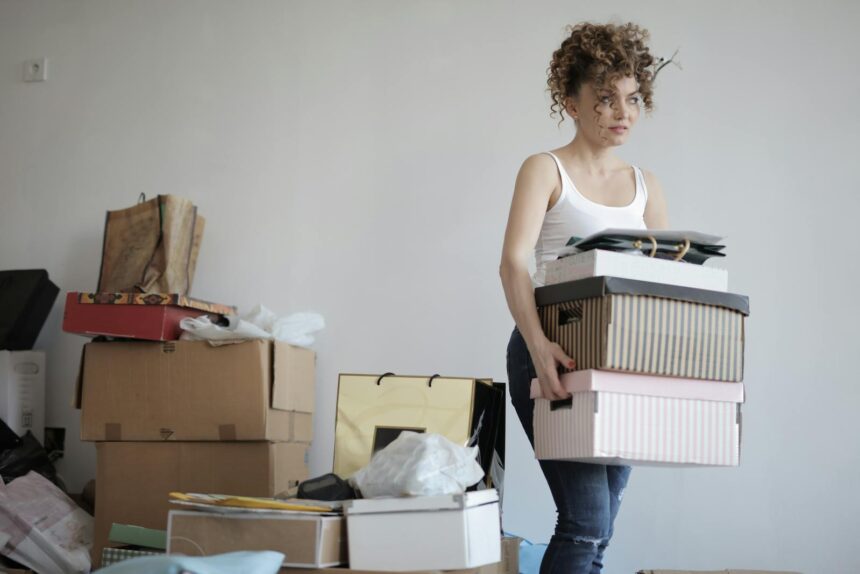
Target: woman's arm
x=536 y=182
x=655 y=209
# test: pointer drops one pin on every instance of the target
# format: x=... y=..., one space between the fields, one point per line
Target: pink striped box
x=624 y=418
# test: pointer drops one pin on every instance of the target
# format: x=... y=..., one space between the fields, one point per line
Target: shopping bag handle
x=383 y=375
x=389 y=374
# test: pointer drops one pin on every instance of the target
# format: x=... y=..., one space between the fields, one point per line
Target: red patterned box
x=151 y=316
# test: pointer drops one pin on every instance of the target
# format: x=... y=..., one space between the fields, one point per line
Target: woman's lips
x=618 y=129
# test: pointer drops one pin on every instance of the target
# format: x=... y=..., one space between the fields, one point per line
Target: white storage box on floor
x=624 y=418
x=447 y=532
x=598 y=262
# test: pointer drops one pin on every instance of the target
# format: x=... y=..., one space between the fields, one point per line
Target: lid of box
x=174 y=299
x=592 y=287
x=647 y=385
x=421 y=503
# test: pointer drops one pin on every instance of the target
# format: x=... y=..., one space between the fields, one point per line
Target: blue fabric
x=265 y=562
x=587 y=496
x=531 y=556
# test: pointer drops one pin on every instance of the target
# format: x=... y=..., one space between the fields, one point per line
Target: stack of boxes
x=169 y=415
x=659 y=362
x=190 y=417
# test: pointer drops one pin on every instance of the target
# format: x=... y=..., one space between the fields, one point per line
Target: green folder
x=138 y=536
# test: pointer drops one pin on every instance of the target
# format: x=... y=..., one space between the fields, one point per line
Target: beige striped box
x=642 y=327
x=621 y=418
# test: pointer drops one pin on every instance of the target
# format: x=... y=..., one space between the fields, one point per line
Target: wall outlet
x=36 y=70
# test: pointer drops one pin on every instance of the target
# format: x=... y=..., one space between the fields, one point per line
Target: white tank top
x=574 y=215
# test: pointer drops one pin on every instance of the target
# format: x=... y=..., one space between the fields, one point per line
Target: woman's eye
x=634 y=100
x=605 y=99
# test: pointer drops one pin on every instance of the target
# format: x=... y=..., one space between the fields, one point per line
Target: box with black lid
x=637 y=326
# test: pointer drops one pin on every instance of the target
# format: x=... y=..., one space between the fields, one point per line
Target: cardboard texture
x=305 y=539
x=598 y=262
x=150 y=317
x=510 y=554
x=190 y=390
x=133 y=479
x=424 y=533
x=635 y=326
x=26 y=299
x=373 y=410
x=22 y=392
x=611 y=419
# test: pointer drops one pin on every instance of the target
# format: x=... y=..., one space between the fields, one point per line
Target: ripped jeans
x=587 y=496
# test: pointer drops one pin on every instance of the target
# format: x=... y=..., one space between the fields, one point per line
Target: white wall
x=357 y=159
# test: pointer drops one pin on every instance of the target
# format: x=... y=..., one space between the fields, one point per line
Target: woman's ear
x=572 y=108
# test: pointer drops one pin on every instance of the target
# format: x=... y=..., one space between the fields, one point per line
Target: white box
x=624 y=418
x=22 y=392
x=448 y=532
x=597 y=262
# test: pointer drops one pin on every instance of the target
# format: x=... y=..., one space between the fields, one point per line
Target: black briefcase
x=26 y=298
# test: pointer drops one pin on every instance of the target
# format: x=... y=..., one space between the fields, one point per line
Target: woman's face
x=605 y=115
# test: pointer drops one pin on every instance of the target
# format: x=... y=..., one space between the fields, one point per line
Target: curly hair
x=600 y=54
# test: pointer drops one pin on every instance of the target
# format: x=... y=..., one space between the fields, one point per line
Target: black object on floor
x=26 y=298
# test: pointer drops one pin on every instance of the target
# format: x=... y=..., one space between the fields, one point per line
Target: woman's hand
x=547 y=358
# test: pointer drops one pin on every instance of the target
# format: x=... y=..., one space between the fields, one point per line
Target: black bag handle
x=383 y=375
x=390 y=374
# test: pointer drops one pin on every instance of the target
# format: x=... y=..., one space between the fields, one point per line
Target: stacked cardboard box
x=659 y=364
x=187 y=416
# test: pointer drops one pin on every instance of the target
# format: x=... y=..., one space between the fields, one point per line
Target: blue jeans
x=587 y=496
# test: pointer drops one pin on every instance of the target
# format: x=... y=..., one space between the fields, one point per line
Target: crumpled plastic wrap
x=418 y=464
x=260 y=323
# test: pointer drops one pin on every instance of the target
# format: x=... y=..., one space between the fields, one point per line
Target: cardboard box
x=510 y=554
x=621 y=418
x=641 y=327
x=150 y=316
x=22 y=392
x=598 y=262
x=373 y=410
x=447 y=532
x=190 y=390
x=133 y=479
x=306 y=539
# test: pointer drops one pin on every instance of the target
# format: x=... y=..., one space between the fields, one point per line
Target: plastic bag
x=259 y=323
x=28 y=455
x=43 y=528
x=416 y=464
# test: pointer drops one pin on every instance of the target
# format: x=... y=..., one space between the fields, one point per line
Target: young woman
x=601 y=77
